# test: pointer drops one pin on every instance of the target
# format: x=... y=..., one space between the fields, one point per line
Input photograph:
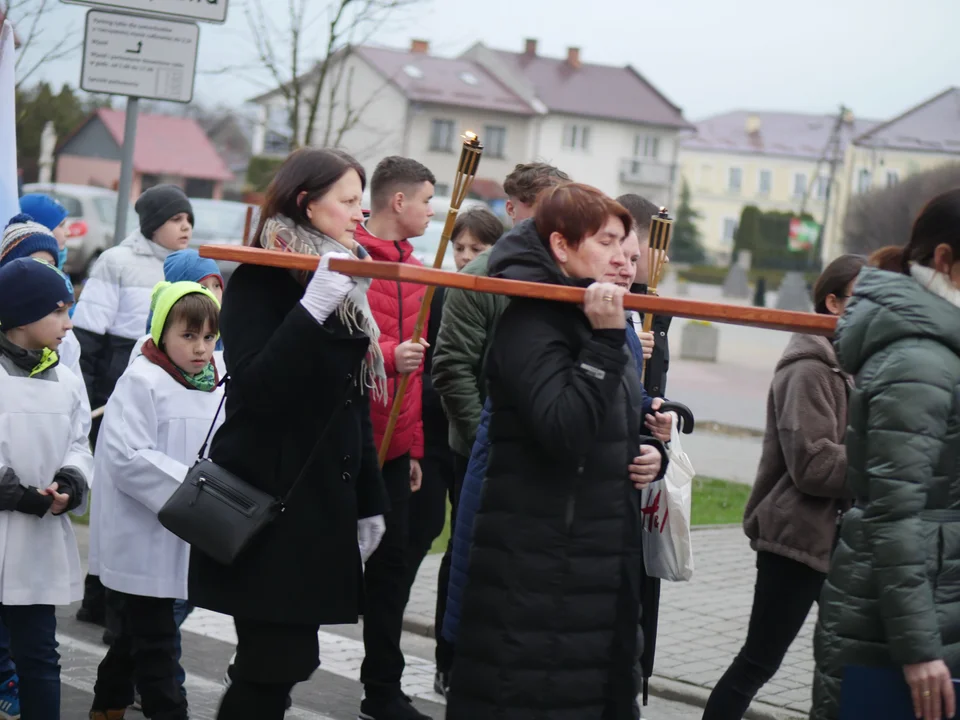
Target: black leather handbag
x=218 y=513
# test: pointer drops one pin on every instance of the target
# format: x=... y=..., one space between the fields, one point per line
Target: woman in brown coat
x=798 y=494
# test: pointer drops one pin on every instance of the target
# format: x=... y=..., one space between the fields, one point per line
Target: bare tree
x=308 y=81
x=885 y=217
x=31 y=22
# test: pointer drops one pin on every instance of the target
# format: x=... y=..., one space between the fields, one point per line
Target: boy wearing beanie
x=45 y=466
x=187 y=265
x=24 y=236
x=152 y=430
x=114 y=306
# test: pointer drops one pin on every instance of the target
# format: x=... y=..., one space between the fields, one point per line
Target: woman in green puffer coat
x=892 y=596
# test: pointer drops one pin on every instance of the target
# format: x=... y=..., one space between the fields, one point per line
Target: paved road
x=333 y=693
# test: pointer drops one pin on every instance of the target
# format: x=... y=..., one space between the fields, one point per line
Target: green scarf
x=205 y=380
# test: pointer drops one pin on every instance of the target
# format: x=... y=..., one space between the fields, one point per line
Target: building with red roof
x=168 y=150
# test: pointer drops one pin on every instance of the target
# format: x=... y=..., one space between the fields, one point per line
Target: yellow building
x=923 y=138
x=769 y=159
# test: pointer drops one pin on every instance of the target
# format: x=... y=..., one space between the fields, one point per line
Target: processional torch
x=661 y=231
x=466 y=172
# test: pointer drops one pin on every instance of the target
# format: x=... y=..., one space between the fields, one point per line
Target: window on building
x=275 y=143
x=735 y=179
x=197 y=188
x=576 y=137
x=766 y=182
x=495 y=141
x=893 y=178
x=441 y=135
x=441 y=190
x=823 y=182
x=729 y=230
x=799 y=184
x=864 y=181
x=647 y=146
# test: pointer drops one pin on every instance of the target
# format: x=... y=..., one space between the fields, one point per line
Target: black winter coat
x=289 y=378
x=551 y=603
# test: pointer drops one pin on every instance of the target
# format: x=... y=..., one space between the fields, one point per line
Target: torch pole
x=466 y=172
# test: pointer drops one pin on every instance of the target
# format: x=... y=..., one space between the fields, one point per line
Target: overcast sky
x=877 y=56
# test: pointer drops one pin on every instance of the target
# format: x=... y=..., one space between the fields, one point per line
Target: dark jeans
x=94 y=595
x=444 y=654
x=784 y=593
x=32 y=633
x=428 y=509
x=181 y=609
x=385 y=585
x=143 y=654
x=270 y=660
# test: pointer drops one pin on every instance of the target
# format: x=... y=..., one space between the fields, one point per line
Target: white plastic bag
x=665 y=514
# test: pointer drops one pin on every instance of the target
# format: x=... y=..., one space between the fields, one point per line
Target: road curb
x=663 y=688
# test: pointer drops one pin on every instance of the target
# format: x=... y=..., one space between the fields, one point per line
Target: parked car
x=221 y=222
x=91 y=216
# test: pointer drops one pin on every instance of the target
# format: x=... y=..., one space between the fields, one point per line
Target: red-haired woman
x=551 y=606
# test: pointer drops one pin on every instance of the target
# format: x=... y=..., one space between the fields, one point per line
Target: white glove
x=327 y=288
x=369 y=534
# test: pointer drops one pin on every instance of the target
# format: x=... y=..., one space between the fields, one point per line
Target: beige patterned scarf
x=281 y=233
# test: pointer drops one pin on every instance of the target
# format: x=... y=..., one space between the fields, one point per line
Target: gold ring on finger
x=608 y=298
x=926 y=693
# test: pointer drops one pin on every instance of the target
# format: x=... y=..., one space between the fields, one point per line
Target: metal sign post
x=126 y=169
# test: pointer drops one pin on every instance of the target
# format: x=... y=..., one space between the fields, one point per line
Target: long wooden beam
x=770 y=319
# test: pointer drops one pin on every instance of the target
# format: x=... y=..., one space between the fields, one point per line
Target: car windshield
x=425 y=247
x=216 y=220
x=107 y=213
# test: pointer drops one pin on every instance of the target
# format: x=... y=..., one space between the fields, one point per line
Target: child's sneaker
x=10 y=699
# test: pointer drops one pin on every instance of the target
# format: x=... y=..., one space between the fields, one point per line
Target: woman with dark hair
x=303 y=358
x=799 y=493
x=550 y=606
x=888 y=258
x=891 y=596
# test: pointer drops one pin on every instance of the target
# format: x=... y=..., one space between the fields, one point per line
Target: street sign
x=139 y=57
x=214 y=11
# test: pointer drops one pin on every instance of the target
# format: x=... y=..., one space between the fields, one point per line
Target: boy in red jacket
x=400 y=194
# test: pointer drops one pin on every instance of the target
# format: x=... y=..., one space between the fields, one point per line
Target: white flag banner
x=9 y=195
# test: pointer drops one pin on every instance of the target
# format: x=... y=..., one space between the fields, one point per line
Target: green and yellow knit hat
x=165 y=296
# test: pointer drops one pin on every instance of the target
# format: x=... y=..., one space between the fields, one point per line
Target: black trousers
x=271 y=659
x=444 y=653
x=144 y=654
x=385 y=589
x=784 y=593
x=428 y=508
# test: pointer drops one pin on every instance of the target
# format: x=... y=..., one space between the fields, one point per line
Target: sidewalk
x=702 y=626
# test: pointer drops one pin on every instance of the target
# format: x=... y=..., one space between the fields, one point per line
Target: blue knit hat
x=30 y=289
x=188 y=265
x=23 y=237
x=44 y=209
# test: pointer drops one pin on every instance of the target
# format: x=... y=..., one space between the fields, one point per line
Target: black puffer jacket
x=892 y=596
x=551 y=603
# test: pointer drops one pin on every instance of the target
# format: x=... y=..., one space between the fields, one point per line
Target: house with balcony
x=606 y=126
x=923 y=138
x=777 y=161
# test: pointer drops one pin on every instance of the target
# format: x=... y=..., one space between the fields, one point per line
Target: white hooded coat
x=152 y=430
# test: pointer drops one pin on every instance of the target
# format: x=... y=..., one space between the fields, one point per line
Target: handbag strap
x=206 y=440
x=313 y=453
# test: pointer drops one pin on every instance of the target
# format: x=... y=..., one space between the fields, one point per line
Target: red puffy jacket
x=395 y=307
